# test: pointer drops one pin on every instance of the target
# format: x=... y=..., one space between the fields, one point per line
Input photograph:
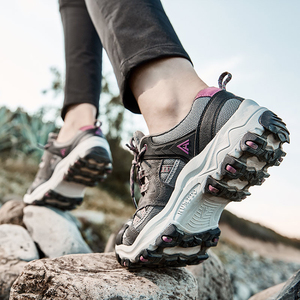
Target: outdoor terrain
x=255 y=256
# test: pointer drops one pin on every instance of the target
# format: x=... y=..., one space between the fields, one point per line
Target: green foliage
x=57 y=85
x=7 y=141
x=113 y=112
x=21 y=133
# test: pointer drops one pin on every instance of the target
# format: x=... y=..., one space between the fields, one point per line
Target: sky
x=257 y=41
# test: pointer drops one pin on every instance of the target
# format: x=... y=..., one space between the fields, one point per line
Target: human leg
x=83 y=56
x=79 y=156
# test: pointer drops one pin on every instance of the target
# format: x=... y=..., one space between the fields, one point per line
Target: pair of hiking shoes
x=186 y=175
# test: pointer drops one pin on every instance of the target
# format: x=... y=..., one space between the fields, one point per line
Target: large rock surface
x=54 y=231
x=16 y=248
x=99 y=276
x=10 y=269
x=213 y=280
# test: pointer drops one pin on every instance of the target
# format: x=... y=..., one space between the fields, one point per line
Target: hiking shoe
x=67 y=168
x=188 y=175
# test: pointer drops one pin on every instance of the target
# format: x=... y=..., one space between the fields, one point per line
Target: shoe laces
x=222 y=83
x=137 y=169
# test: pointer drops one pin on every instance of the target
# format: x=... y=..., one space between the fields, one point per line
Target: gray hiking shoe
x=189 y=174
x=66 y=169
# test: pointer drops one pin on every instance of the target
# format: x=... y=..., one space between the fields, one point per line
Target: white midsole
x=56 y=180
x=188 y=208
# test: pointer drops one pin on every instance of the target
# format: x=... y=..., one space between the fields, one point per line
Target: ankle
x=165 y=90
x=77 y=116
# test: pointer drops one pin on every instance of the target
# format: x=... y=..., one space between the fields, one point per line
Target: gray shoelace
x=136 y=165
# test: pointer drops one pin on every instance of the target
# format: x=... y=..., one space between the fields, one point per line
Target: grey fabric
x=132 y=33
x=46 y=166
x=188 y=124
x=226 y=112
x=166 y=167
x=137 y=225
x=83 y=55
x=177 y=167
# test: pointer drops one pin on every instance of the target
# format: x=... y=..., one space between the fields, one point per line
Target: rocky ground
x=250 y=267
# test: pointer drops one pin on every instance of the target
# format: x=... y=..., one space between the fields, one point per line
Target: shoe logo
x=184 y=146
x=98 y=132
x=63 y=151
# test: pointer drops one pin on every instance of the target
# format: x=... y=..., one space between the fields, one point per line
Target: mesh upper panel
x=226 y=112
x=188 y=124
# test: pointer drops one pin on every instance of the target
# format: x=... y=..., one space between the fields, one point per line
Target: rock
x=91 y=216
x=251 y=273
x=12 y=212
x=291 y=289
x=99 y=276
x=110 y=245
x=54 y=231
x=10 y=197
x=10 y=269
x=16 y=248
x=95 y=228
x=213 y=280
x=15 y=242
x=288 y=290
x=268 y=294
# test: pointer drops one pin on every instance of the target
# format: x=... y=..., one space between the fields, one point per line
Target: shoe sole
x=237 y=158
x=86 y=165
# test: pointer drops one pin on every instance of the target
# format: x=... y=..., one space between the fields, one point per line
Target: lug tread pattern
x=252 y=145
x=89 y=170
x=60 y=201
x=157 y=258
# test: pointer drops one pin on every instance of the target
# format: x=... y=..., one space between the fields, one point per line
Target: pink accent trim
x=98 y=131
x=166 y=169
x=87 y=127
x=208 y=92
x=213 y=189
x=63 y=151
x=252 y=145
x=184 y=146
x=230 y=169
x=143 y=259
x=167 y=239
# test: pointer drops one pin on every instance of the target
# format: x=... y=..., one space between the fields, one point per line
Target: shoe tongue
x=137 y=136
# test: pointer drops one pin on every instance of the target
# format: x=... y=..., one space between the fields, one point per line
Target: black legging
x=131 y=31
